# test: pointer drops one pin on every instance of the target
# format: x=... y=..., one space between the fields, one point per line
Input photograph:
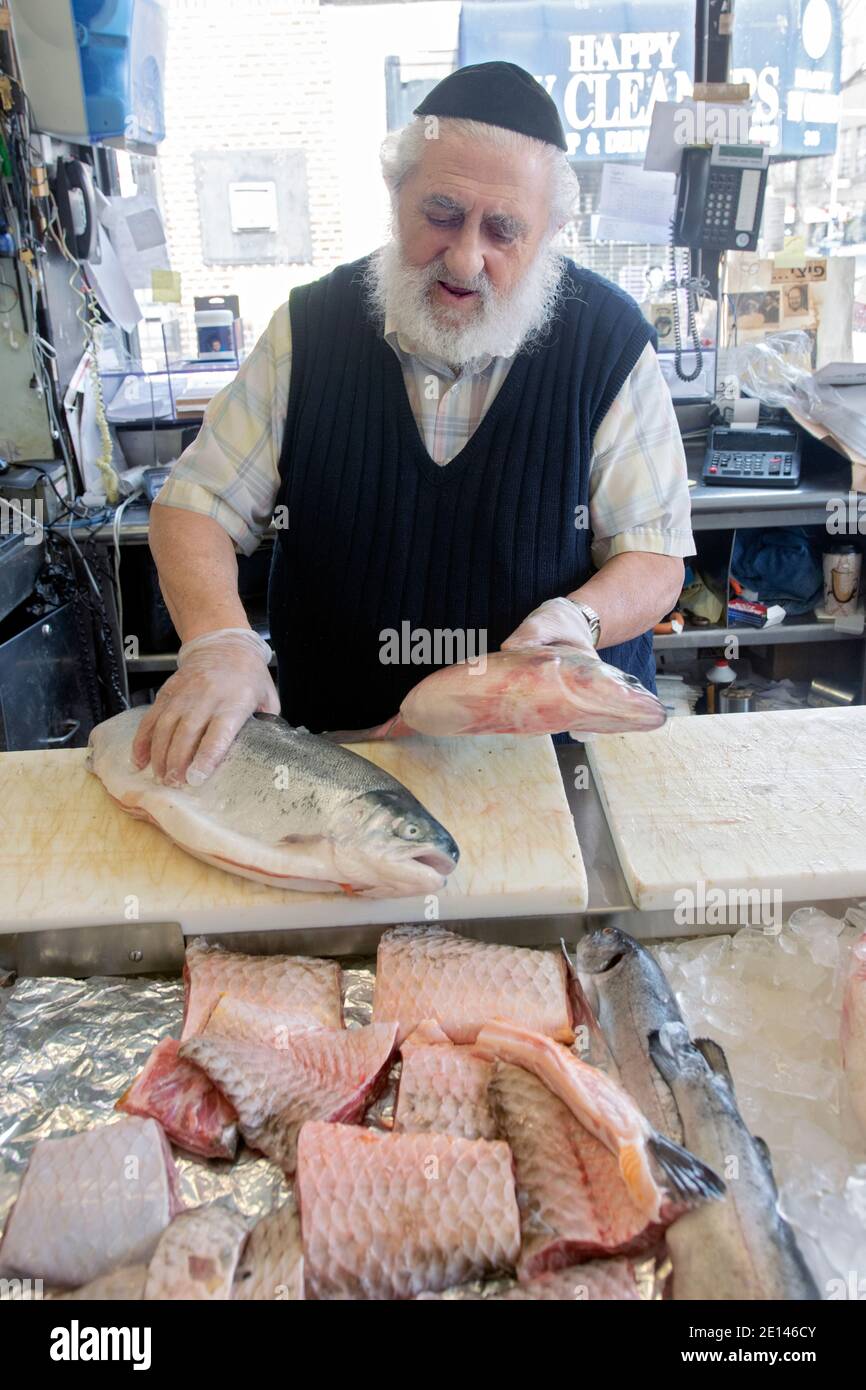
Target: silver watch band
x=592 y=618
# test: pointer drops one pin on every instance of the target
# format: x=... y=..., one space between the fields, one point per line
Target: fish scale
x=286 y=808
x=197 y=1255
x=426 y=972
x=573 y=1201
x=389 y=1215
x=320 y=1075
x=272 y=1263
x=301 y=985
x=78 y=1215
x=444 y=1088
x=610 y=1280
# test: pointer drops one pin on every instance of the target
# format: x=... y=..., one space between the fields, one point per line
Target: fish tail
x=715 y=1058
x=687 y=1178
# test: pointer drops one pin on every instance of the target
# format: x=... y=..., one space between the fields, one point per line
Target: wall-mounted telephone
x=720 y=197
x=76 y=206
x=719 y=204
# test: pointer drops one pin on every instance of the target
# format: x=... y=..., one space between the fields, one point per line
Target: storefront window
x=269 y=172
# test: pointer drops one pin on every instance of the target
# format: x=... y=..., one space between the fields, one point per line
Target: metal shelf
x=793 y=630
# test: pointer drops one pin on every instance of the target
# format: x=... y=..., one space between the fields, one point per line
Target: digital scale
x=761 y=457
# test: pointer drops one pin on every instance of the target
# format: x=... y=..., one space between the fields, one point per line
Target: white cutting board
x=70 y=857
x=764 y=800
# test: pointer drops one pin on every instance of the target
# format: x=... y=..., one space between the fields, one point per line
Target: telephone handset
x=76 y=206
x=720 y=197
x=719 y=204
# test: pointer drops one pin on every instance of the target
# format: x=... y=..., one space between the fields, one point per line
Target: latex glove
x=556 y=622
x=222 y=678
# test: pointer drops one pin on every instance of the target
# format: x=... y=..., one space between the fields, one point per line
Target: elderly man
x=463 y=431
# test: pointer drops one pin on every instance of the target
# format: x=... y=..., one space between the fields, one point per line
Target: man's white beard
x=499 y=324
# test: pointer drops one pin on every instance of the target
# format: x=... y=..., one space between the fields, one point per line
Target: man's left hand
x=556 y=622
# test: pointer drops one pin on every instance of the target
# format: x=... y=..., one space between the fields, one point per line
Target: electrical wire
x=115 y=535
x=87 y=314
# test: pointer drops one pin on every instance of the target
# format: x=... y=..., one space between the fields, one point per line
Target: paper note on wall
x=634 y=205
x=165 y=286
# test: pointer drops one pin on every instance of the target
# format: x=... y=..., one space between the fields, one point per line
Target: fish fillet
x=178 y=1094
x=539 y=690
x=323 y=1075
x=196 y=1256
x=257 y=998
x=124 y=1285
x=853 y=1031
x=302 y=988
x=389 y=1215
x=444 y=1088
x=285 y=808
x=429 y=973
x=90 y=1203
x=573 y=1202
x=654 y=1169
x=611 y=1280
x=272 y=1263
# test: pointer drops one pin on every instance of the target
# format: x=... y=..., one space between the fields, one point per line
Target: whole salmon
x=288 y=809
x=740 y=1247
x=631 y=998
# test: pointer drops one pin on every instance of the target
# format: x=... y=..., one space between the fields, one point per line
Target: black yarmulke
x=498 y=94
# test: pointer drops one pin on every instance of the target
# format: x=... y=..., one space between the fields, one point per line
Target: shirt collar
x=404 y=347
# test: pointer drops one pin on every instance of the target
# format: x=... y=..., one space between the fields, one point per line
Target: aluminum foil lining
x=70 y=1048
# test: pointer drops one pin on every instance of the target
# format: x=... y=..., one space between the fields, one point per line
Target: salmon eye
x=407 y=829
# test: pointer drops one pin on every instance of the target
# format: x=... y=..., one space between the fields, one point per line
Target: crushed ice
x=773 y=1002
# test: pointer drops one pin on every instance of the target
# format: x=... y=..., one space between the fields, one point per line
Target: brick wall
x=247 y=74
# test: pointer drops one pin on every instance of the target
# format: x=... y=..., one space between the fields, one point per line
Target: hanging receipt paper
x=634 y=205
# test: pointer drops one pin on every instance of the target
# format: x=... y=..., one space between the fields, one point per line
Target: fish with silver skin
x=740 y=1247
x=631 y=998
x=288 y=809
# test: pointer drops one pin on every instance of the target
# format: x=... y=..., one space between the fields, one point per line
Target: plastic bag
x=778 y=372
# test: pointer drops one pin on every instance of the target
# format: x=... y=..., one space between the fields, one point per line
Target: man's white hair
x=402 y=151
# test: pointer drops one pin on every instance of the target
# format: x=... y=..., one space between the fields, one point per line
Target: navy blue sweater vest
x=379 y=535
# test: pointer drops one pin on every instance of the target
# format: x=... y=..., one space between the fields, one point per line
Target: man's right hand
x=222 y=678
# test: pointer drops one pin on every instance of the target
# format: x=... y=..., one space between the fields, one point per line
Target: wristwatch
x=592 y=618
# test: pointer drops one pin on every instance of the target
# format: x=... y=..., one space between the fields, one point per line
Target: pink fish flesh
x=444 y=1088
x=655 y=1170
x=613 y=1280
x=91 y=1202
x=853 y=1031
x=253 y=998
x=389 y=1215
x=272 y=1263
x=124 y=1285
x=196 y=1256
x=191 y=1110
x=539 y=690
x=300 y=987
x=427 y=973
x=573 y=1202
x=323 y=1075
